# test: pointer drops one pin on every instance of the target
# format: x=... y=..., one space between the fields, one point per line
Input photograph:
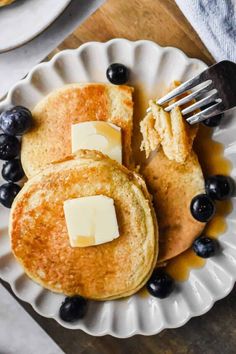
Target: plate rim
x=110 y=330
x=29 y=38
x=28 y=77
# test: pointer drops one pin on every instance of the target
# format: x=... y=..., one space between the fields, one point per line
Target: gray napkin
x=19 y=333
x=215 y=23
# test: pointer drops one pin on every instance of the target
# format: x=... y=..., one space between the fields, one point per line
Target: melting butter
x=98 y=135
x=91 y=220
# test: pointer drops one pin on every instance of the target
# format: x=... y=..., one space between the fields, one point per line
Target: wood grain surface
x=157 y=20
x=214 y=333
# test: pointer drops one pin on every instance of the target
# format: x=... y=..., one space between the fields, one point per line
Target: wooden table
x=162 y=22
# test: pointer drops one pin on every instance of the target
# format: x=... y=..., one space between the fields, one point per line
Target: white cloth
x=19 y=333
x=215 y=23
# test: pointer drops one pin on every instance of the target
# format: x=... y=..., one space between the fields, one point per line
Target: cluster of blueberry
x=13 y=122
x=202 y=207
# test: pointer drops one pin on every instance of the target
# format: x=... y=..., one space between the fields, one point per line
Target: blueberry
x=213 y=121
x=16 y=121
x=9 y=147
x=202 y=208
x=205 y=247
x=8 y=192
x=73 y=308
x=117 y=74
x=160 y=284
x=219 y=187
x=12 y=170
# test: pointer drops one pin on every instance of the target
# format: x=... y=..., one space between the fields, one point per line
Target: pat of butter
x=98 y=135
x=91 y=220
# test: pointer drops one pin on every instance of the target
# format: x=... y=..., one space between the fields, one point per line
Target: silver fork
x=214 y=91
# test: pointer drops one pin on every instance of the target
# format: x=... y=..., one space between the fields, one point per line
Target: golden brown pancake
x=50 y=138
x=40 y=241
x=169 y=131
x=173 y=185
x=6 y=2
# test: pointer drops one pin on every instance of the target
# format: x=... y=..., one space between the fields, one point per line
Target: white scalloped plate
x=153 y=66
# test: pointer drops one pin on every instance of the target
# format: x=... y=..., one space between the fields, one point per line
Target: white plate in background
x=152 y=66
x=24 y=19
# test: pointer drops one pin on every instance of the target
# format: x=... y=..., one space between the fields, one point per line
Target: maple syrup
x=212 y=160
x=143 y=293
x=112 y=135
x=140 y=98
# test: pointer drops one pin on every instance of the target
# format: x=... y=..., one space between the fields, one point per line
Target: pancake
x=40 y=241
x=50 y=138
x=6 y=2
x=173 y=185
x=169 y=131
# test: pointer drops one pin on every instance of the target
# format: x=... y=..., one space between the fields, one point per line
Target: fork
x=214 y=92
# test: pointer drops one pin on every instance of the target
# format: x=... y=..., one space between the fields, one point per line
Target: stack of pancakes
x=39 y=235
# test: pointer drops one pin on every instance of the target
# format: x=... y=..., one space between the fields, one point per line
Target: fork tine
x=206 y=113
x=191 y=96
x=203 y=102
x=180 y=89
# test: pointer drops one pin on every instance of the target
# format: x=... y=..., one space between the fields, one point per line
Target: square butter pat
x=98 y=135
x=91 y=220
